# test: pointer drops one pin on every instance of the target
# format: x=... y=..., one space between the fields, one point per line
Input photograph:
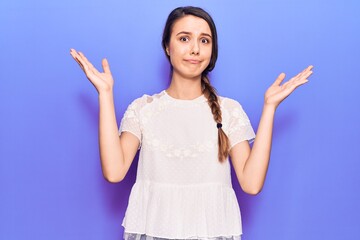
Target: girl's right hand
x=102 y=81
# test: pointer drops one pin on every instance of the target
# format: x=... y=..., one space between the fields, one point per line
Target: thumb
x=106 y=66
x=279 y=79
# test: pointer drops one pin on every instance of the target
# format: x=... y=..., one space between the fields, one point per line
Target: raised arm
x=116 y=153
x=251 y=164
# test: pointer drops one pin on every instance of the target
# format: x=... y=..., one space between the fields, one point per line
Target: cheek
x=209 y=51
x=178 y=50
x=175 y=56
x=208 y=55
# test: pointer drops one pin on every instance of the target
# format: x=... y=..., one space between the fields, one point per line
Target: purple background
x=51 y=183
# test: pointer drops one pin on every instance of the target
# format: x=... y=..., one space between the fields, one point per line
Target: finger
x=299 y=75
x=299 y=79
x=290 y=87
x=308 y=74
x=82 y=67
x=74 y=55
x=279 y=79
x=86 y=60
x=299 y=83
x=89 y=66
x=291 y=82
x=304 y=75
x=309 y=68
x=106 y=66
x=82 y=59
x=306 y=70
x=77 y=57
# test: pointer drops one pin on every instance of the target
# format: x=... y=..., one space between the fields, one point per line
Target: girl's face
x=190 y=46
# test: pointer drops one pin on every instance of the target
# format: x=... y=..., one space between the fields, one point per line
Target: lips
x=193 y=61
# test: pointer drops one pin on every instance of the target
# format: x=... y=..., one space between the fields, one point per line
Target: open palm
x=276 y=93
x=103 y=81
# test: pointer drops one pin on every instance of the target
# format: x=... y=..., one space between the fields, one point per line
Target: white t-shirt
x=182 y=190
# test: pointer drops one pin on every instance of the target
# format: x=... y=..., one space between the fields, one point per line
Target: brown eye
x=204 y=40
x=184 y=39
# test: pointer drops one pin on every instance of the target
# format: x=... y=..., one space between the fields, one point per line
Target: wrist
x=105 y=94
x=269 y=107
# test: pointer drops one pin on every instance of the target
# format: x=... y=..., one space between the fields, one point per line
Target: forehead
x=192 y=24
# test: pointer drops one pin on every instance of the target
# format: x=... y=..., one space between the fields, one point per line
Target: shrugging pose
x=186 y=134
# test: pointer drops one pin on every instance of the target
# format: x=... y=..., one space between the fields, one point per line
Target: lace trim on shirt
x=239 y=127
x=189 y=151
x=139 y=236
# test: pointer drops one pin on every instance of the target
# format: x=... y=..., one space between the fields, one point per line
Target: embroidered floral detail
x=188 y=151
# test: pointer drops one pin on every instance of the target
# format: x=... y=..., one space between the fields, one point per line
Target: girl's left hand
x=276 y=93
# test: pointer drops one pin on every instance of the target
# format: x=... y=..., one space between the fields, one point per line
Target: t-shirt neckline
x=197 y=99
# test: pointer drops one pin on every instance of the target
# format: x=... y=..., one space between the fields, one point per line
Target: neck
x=184 y=88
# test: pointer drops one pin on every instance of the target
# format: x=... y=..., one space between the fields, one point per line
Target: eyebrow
x=189 y=33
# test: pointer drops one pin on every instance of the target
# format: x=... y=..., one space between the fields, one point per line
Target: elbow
x=113 y=178
x=254 y=191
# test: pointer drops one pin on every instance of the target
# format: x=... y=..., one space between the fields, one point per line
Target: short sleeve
x=239 y=126
x=131 y=122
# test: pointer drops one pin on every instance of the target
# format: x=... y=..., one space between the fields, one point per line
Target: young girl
x=185 y=134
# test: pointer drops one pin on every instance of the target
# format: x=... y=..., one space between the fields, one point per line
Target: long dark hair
x=208 y=90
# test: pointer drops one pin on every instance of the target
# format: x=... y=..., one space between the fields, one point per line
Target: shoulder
x=229 y=104
x=231 y=108
x=145 y=99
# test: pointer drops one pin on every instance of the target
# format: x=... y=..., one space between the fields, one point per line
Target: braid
x=210 y=94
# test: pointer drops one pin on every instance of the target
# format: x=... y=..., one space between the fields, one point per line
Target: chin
x=189 y=74
x=193 y=76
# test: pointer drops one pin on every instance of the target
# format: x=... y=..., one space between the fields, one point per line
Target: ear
x=167 y=51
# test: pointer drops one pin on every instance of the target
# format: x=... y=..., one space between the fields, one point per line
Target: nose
x=195 y=49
